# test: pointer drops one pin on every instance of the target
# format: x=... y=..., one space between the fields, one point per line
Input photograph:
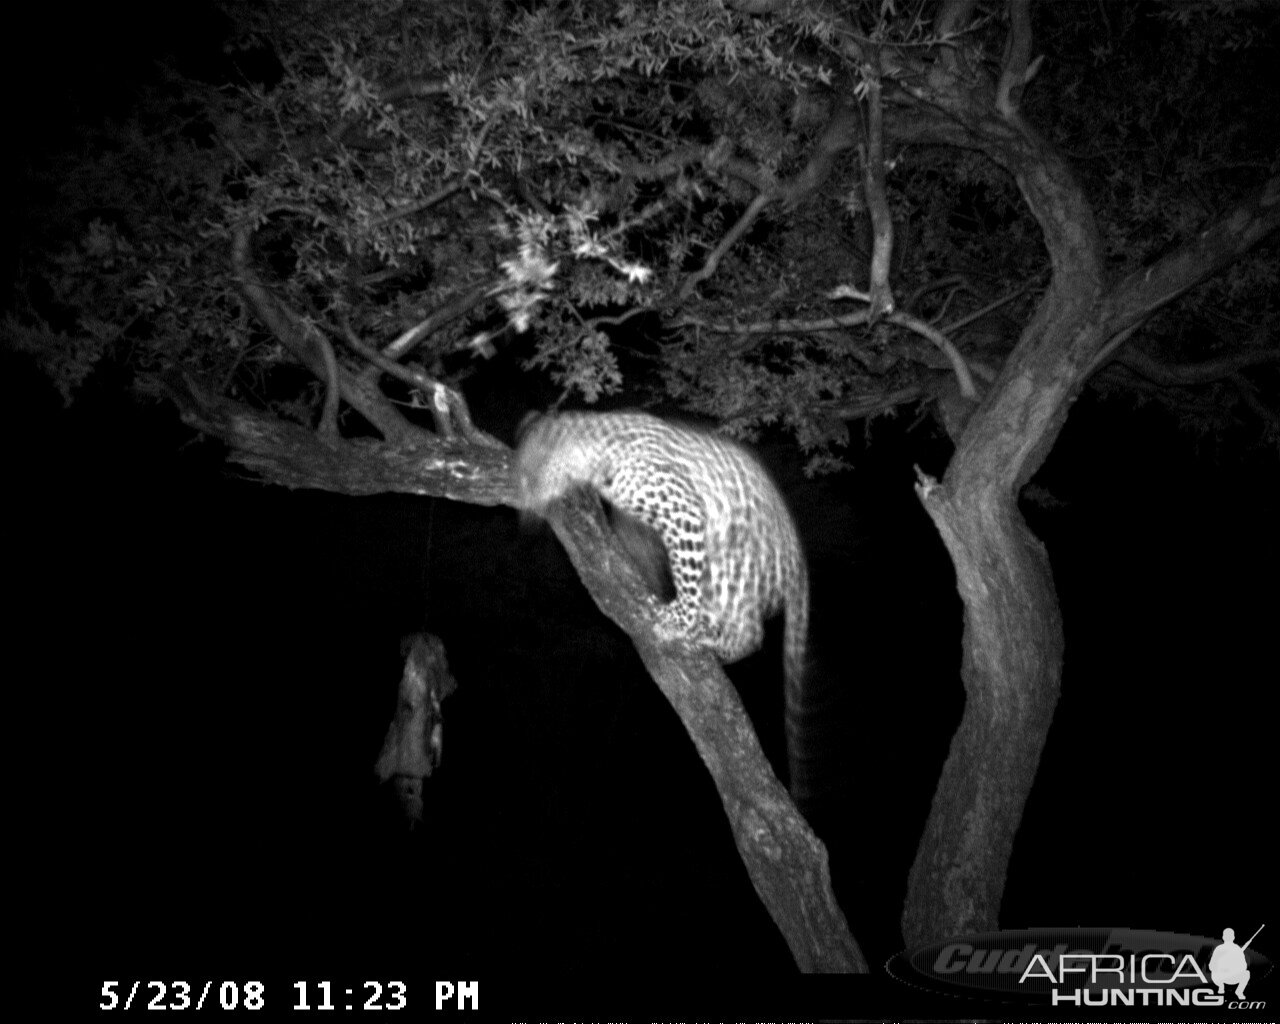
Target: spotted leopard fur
x=733 y=551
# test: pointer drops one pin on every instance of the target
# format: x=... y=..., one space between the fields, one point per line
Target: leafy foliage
x=570 y=164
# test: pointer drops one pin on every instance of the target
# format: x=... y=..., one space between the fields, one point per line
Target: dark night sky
x=215 y=662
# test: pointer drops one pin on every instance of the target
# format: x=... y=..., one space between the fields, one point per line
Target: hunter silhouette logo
x=1227 y=966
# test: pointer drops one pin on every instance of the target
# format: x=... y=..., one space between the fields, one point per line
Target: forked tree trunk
x=1013 y=640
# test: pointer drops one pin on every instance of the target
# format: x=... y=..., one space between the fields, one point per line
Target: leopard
x=732 y=549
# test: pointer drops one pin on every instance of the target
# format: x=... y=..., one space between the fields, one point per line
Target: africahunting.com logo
x=1090 y=967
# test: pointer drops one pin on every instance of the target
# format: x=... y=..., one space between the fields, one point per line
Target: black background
x=205 y=667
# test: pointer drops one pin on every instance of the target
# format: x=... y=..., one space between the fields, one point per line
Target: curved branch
x=419 y=332
x=726 y=243
x=940 y=341
x=329 y=417
x=710 y=156
x=956 y=281
x=914 y=324
x=448 y=406
x=964 y=378
x=1204 y=372
x=287 y=328
x=840 y=134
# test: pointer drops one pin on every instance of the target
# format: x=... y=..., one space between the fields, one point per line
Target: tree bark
x=1012 y=662
x=1012 y=673
x=1013 y=643
x=786 y=862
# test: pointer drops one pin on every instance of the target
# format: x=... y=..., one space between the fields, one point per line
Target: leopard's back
x=732 y=546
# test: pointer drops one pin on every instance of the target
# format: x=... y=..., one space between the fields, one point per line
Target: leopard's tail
x=802 y=754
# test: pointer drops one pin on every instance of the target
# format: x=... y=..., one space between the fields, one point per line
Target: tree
x=717 y=205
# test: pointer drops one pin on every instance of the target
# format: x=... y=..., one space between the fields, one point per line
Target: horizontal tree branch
x=293 y=455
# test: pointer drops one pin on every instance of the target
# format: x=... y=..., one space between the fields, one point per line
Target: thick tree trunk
x=1013 y=636
x=1013 y=632
x=1012 y=672
x=1013 y=644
